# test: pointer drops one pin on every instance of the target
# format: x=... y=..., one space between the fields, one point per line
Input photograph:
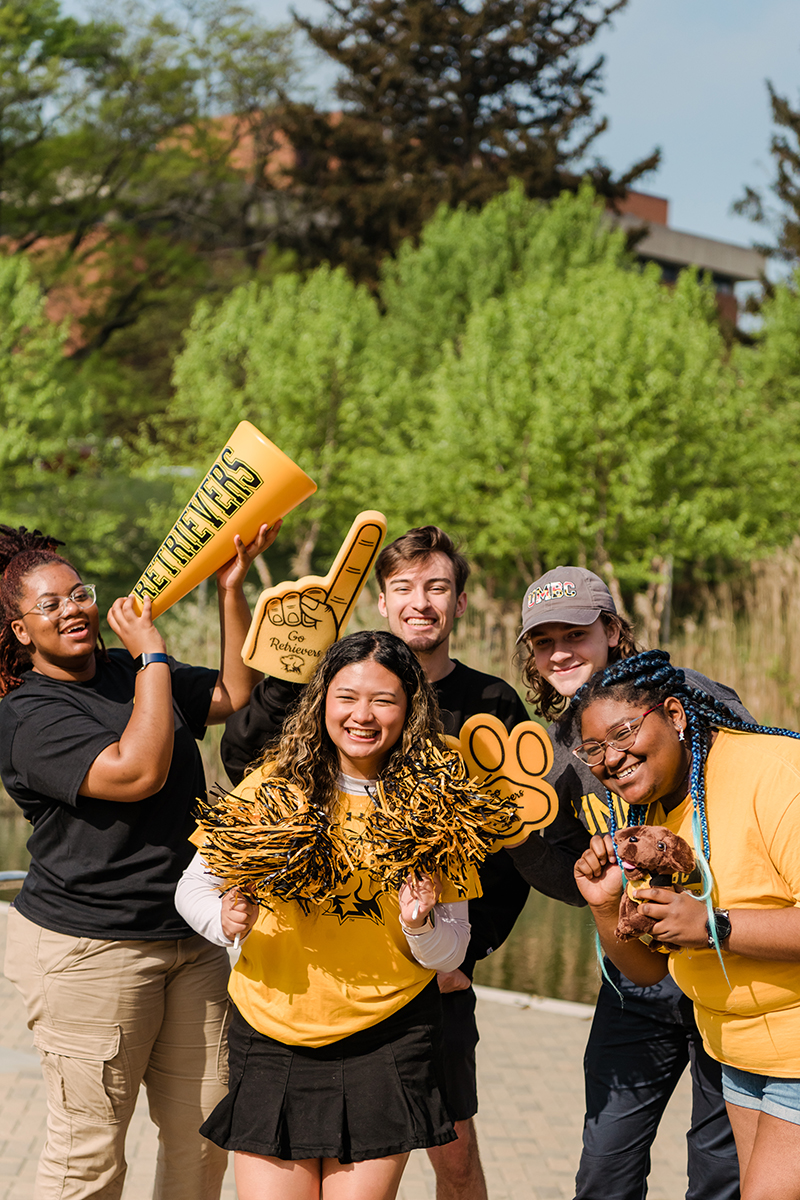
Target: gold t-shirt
x=753 y=809
x=309 y=975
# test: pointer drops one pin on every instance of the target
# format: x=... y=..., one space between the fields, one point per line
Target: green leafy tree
x=48 y=67
x=591 y=419
x=444 y=102
x=42 y=414
x=57 y=474
x=464 y=257
x=294 y=359
x=135 y=166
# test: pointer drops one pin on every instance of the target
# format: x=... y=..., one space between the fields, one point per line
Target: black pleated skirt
x=377 y=1092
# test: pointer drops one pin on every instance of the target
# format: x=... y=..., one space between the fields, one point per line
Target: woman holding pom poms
x=98 y=750
x=334 y=1044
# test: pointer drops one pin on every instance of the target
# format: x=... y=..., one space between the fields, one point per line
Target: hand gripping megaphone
x=295 y=622
x=250 y=483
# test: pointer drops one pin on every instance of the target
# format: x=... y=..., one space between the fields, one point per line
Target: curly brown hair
x=542 y=695
x=305 y=754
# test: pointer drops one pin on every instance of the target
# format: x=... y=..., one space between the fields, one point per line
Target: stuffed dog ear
x=684 y=855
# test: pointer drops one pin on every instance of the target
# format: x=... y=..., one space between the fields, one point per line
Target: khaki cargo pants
x=107 y=1016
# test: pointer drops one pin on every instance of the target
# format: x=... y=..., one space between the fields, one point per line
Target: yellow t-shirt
x=309 y=975
x=753 y=810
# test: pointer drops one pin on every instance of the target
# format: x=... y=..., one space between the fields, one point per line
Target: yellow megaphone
x=250 y=483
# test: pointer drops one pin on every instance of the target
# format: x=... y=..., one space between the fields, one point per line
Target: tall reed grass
x=747 y=635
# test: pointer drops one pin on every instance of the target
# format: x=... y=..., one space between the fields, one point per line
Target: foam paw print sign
x=512 y=765
x=295 y=622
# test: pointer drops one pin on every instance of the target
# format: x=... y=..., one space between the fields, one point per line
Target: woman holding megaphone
x=98 y=749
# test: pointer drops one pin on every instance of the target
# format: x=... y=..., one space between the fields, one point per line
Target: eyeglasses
x=84 y=595
x=592 y=753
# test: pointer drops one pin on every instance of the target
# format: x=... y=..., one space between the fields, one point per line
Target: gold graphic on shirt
x=595 y=813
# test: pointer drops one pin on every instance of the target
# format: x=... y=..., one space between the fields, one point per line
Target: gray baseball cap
x=569 y=595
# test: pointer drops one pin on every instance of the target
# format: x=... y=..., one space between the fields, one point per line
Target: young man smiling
x=422 y=578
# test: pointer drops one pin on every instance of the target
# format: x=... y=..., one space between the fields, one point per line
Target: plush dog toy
x=650 y=856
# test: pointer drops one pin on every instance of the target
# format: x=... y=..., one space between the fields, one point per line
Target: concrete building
x=672 y=250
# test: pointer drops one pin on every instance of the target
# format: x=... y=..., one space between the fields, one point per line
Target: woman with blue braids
x=680 y=758
x=642 y=1039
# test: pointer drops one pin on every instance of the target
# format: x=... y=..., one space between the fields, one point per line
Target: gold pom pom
x=275 y=845
x=429 y=817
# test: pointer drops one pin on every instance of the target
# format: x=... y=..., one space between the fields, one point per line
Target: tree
x=444 y=102
x=528 y=325
x=58 y=473
x=464 y=257
x=783 y=223
x=42 y=413
x=294 y=359
x=136 y=153
x=48 y=67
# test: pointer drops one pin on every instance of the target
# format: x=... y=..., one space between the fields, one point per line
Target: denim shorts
x=767 y=1093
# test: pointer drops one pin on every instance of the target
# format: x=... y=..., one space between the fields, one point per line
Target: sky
x=688 y=76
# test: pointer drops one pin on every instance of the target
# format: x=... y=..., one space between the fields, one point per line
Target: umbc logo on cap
x=552 y=591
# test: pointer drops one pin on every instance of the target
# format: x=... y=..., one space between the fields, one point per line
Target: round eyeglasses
x=592 y=753
x=84 y=595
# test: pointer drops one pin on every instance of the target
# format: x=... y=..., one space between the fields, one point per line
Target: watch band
x=722 y=926
x=144 y=660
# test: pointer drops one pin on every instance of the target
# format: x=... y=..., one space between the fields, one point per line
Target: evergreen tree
x=785 y=150
x=443 y=102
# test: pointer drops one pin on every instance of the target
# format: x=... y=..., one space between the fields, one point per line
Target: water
x=550 y=952
x=14 y=832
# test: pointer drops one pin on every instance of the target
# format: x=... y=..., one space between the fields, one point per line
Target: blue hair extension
x=653 y=675
x=598 y=949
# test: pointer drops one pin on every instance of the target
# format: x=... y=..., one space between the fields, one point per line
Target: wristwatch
x=144 y=660
x=722 y=926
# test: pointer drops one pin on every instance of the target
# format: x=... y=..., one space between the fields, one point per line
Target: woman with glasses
x=641 y=1039
x=98 y=749
x=681 y=759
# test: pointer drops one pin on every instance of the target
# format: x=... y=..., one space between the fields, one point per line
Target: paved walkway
x=531 y=1087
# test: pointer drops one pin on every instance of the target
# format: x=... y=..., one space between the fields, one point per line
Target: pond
x=14 y=831
x=550 y=951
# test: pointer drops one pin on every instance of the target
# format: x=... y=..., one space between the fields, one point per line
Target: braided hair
x=648 y=679
x=21 y=552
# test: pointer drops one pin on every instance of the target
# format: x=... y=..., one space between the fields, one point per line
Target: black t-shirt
x=101 y=868
x=462 y=694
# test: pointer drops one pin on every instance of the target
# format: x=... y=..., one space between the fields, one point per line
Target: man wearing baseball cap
x=638 y=1046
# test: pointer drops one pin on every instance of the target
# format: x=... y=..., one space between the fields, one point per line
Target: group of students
x=353 y=1033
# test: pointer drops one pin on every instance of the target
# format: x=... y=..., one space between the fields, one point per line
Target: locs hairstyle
x=21 y=552
x=304 y=751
